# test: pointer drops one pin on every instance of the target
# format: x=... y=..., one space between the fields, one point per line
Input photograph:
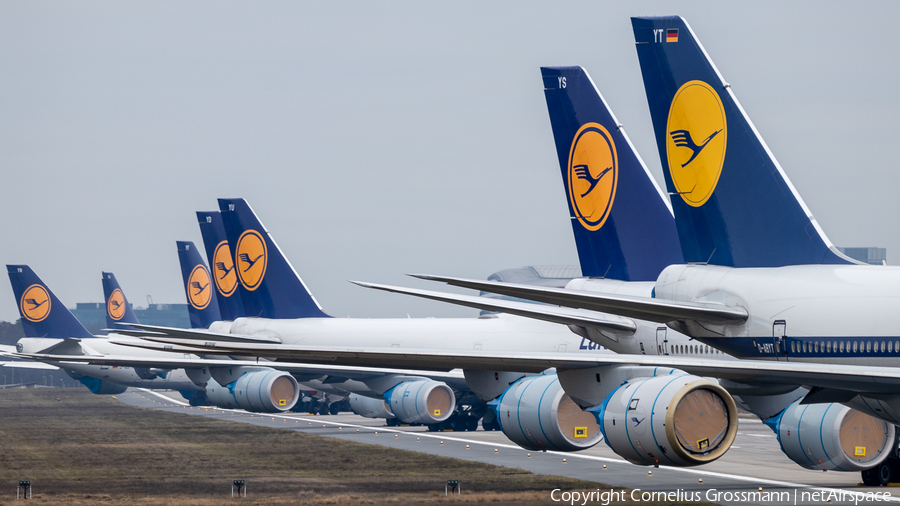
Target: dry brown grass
x=89 y=449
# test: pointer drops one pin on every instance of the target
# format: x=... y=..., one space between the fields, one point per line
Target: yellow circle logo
x=223 y=267
x=35 y=303
x=115 y=306
x=593 y=175
x=250 y=259
x=696 y=141
x=198 y=288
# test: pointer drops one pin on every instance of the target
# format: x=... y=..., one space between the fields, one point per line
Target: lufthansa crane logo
x=199 y=289
x=35 y=303
x=223 y=270
x=250 y=259
x=696 y=141
x=115 y=306
x=593 y=175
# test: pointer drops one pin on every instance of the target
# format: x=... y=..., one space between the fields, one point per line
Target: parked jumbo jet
x=736 y=305
x=765 y=282
x=288 y=311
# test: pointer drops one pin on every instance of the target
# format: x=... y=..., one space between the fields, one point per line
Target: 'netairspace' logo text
x=606 y=497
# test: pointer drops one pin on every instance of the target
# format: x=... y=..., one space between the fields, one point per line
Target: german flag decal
x=672 y=35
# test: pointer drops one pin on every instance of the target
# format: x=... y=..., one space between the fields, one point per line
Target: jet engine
x=536 y=414
x=832 y=437
x=669 y=420
x=369 y=407
x=100 y=387
x=265 y=391
x=421 y=401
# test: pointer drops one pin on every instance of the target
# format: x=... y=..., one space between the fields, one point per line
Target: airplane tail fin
x=118 y=311
x=733 y=203
x=270 y=287
x=221 y=263
x=43 y=315
x=203 y=307
x=624 y=228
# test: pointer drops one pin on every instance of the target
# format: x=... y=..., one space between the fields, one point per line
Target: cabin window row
x=684 y=349
x=844 y=346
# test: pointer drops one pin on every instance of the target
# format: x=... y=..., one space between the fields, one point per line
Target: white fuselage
x=842 y=314
x=489 y=333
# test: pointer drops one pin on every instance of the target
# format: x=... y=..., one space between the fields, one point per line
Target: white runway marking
x=696 y=472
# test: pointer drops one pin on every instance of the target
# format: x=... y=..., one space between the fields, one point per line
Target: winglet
x=733 y=203
x=43 y=315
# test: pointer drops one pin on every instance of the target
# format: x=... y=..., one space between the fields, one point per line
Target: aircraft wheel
x=884 y=473
x=334 y=408
x=870 y=477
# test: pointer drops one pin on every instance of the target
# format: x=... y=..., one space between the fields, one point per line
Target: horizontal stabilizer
x=566 y=316
x=29 y=365
x=629 y=306
x=193 y=334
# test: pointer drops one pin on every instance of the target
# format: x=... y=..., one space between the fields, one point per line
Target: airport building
x=93 y=315
x=874 y=256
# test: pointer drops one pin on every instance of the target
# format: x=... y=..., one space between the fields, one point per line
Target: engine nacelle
x=265 y=391
x=421 y=401
x=100 y=387
x=669 y=420
x=537 y=414
x=832 y=437
x=369 y=407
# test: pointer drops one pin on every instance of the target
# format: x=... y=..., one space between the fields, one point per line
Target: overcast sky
x=375 y=139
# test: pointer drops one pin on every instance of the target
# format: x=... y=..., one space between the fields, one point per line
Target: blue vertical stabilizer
x=733 y=203
x=269 y=285
x=623 y=226
x=221 y=263
x=119 y=312
x=43 y=315
x=203 y=306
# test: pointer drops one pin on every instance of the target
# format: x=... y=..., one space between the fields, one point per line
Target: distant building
x=93 y=315
x=874 y=256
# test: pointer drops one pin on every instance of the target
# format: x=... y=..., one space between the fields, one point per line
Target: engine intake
x=832 y=437
x=669 y=420
x=537 y=414
x=266 y=391
x=421 y=401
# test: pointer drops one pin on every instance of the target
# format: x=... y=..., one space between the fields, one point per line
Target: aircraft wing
x=629 y=306
x=195 y=334
x=567 y=316
x=828 y=376
x=349 y=372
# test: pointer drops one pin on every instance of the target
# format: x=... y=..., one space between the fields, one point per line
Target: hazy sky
x=376 y=139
